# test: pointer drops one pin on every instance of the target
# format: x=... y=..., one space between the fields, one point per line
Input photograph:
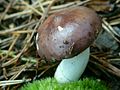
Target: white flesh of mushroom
x=71 y=69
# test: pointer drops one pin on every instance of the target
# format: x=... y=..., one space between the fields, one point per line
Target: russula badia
x=66 y=36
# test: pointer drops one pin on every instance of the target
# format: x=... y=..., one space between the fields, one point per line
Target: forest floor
x=19 y=59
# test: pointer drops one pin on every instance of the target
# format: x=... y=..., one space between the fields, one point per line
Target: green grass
x=52 y=84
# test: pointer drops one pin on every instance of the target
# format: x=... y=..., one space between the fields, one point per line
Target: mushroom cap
x=67 y=33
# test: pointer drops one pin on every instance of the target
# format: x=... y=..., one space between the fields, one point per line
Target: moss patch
x=52 y=84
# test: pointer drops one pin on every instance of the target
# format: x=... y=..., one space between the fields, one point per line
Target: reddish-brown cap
x=67 y=33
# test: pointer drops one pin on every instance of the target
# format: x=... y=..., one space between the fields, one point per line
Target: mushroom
x=66 y=36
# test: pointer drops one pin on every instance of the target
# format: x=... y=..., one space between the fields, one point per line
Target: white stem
x=71 y=69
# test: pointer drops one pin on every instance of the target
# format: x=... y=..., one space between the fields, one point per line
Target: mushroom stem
x=71 y=69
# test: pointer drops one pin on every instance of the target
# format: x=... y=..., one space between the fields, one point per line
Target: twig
x=17 y=28
x=19 y=72
x=12 y=45
x=110 y=68
x=110 y=27
x=6 y=10
x=18 y=14
x=41 y=6
x=35 y=10
x=106 y=28
x=13 y=82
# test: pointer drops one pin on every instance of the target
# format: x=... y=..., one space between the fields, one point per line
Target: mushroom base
x=71 y=69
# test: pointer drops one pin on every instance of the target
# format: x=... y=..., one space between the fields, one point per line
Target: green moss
x=51 y=84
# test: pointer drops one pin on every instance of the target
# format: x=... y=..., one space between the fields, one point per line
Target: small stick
x=6 y=10
x=13 y=82
x=12 y=45
x=16 y=28
x=35 y=10
x=110 y=67
x=41 y=6
x=110 y=27
x=107 y=29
